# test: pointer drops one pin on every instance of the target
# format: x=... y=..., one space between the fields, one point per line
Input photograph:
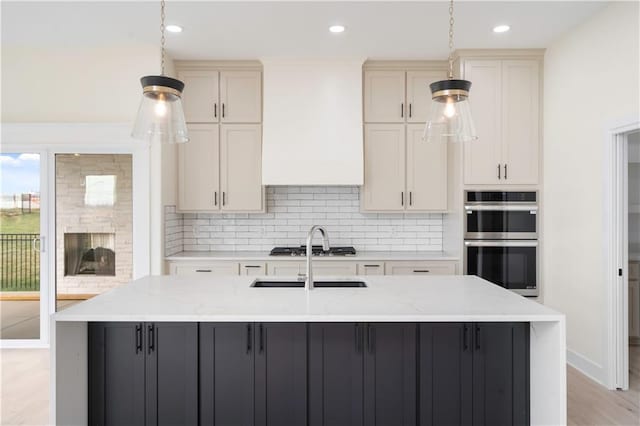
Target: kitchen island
x=388 y=342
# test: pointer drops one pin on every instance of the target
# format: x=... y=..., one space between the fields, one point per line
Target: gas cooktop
x=317 y=251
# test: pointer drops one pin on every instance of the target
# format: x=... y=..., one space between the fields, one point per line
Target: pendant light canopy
x=450 y=115
x=161 y=116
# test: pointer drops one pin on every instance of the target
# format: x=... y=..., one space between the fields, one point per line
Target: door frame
x=616 y=212
x=84 y=138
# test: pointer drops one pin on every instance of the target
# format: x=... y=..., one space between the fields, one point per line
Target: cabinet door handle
x=203 y=270
x=224 y=198
x=410 y=198
x=371 y=347
x=152 y=338
x=223 y=110
x=215 y=198
x=402 y=198
x=465 y=337
x=410 y=110
x=215 y=110
x=371 y=266
x=498 y=171
x=138 y=338
x=505 y=172
x=261 y=338
x=251 y=266
x=425 y=271
x=248 y=338
x=402 y=110
x=477 y=337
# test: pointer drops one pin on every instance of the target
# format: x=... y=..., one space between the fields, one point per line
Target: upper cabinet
x=398 y=96
x=241 y=96
x=220 y=168
x=233 y=96
x=505 y=103
x=402 y=172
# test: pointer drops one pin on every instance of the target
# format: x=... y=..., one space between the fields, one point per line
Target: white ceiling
x=249 y=30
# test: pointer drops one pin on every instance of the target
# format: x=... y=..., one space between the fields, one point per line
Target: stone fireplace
x=94 y=215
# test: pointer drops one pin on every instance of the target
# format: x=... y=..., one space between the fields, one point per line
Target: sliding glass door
x=23 y=254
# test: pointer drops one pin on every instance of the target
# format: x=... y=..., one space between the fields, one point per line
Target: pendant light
x=161 y=116
x=450 y=119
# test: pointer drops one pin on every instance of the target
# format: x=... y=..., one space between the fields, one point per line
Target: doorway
x=623 y=208
x=23 y=254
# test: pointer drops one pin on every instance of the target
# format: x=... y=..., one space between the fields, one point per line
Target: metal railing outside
x=19 y=262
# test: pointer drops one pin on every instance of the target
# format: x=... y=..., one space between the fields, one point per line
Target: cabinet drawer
x=371 y=268
x=217 y=268
x=634 y=270
x=253 y=269
x=333 y=268
x=291 y=268
x=420 y=268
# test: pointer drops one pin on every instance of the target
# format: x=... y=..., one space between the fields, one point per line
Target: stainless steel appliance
x=316 y=250
x=501 y=246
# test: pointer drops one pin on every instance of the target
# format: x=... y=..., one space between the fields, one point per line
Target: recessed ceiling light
x=173 y=28
x=336 y=28
x=501 y=28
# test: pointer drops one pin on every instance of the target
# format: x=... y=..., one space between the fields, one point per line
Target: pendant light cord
x=162 y=37
x=450 y=40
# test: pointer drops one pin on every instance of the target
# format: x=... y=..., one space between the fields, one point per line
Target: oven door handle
x=501 y=207
x=501 y=243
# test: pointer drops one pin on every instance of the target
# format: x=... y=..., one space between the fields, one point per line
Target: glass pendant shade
x=450 y=118
x=161 y=116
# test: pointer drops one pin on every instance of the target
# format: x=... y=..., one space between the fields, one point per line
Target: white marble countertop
x=387 y=298
x=242 y=256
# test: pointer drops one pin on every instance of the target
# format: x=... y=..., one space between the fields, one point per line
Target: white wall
x=74 y=85
x=591 y=85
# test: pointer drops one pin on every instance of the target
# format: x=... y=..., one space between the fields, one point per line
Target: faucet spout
x=308 y=282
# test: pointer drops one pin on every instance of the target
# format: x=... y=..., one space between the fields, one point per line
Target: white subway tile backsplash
x=291 y=210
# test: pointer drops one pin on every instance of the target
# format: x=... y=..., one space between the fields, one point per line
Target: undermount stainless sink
x=316 y=284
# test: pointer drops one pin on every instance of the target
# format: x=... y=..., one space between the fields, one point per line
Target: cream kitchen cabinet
x=420 y=268
x=241 y=167
x=212 y=96
x=240 y=96
x=402 y=172
x=384 y=167
x=198 y=171
x=505 y=103
x=398 y=96
x=426 y=172
x=200 y=96
x=294 y=268
x=220 y=175
x=204 y=268
x=371 y=268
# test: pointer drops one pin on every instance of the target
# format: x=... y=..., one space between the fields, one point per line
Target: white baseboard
x=593 y=370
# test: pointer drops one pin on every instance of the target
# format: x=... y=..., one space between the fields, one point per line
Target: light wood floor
x=24 y=392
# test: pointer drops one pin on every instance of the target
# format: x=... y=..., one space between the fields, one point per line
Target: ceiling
x=249 y=30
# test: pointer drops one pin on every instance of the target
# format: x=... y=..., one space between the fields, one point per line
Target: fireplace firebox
x=89 y=254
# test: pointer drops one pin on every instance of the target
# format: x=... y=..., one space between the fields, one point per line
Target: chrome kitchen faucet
x=308 y=278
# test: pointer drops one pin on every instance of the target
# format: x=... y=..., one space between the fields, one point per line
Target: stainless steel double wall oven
x=501 y=238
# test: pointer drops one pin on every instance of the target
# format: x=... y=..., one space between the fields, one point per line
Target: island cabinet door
x=501 y=374
x=281 y=374
x=335 y=374
x=172 y=373
x=445 y=374
x=226 y=374
x=116 y=374
x=390 y=374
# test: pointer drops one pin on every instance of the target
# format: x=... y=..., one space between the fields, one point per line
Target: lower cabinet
x=143 y=373
x=316 y=374
x=474 y=374
x=253 y=374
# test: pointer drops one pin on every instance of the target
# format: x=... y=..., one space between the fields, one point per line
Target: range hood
x=312 y=122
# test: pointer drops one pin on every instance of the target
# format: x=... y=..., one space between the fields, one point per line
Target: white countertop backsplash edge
x=242 y=256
